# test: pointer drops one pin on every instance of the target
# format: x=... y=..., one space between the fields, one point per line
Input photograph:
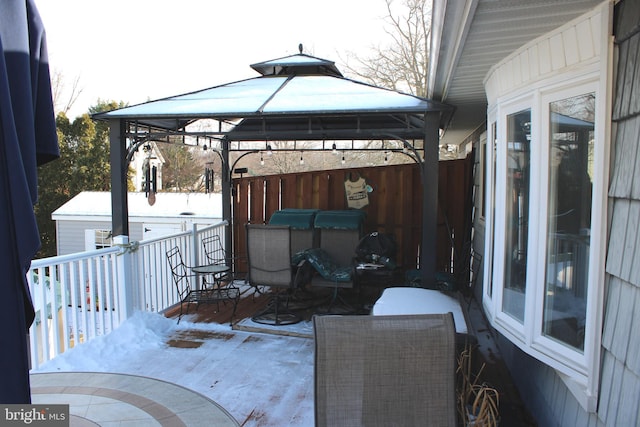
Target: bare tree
x=403 y=64
x=63 y=97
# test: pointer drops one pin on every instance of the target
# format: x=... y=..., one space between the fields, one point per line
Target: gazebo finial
x=300 y=47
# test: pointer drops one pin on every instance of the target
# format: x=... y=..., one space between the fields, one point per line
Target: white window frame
x=489 y=217
x=91 y=239
x=506 y=323
x=579 y=370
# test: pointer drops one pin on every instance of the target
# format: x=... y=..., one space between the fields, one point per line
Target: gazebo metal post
x=119 y=166
x=429 y=177
x=226 y=195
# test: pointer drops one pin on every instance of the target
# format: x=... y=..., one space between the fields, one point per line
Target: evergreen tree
x=182 y=172
x=83 y=166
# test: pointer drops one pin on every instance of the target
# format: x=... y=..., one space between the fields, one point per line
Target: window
x=517 y=213
x=570 y=166
x=546 y=238
x=97 y=239
x=546 y=269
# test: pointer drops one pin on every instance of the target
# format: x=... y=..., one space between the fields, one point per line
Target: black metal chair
x=181 y=275
x=216 y=255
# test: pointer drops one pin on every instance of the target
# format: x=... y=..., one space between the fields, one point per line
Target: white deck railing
x=88 y=294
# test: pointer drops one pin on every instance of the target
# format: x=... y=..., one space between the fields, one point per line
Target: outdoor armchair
x=187 y=294
x=385 y=371
x=269 y=259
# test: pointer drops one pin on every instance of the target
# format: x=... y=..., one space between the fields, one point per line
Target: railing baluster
x=67 y=318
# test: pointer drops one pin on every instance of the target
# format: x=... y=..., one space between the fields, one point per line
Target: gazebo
x=295 y=98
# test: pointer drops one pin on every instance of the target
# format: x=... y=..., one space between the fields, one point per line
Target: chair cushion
x=326 y=266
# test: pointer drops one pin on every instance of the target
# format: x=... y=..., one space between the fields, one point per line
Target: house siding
x=70 y=234
x=544 y=392
x=620 y=384
x=568 y=47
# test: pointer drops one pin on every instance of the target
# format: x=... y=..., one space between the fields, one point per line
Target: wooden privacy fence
x=395 y=204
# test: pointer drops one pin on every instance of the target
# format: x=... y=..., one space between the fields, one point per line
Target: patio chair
x=303 y=234
x=216 y=255
x=340 y=233
x=269 y=260
x=385 y=370
x=181 y=275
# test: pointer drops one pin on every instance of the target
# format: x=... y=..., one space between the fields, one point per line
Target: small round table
x=216 y=270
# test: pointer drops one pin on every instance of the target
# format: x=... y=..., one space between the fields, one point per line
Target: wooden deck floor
x=300 y=399
x=305 y=303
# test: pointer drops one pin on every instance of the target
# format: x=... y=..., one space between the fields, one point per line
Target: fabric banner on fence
x=355 y=189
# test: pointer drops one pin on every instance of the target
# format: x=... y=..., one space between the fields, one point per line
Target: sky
x=139 y=50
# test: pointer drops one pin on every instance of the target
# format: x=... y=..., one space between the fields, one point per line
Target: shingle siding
x=624 y=183
x=628 y=404
x=610 y=313
x=622 y=330
x=631 y=248
x=620 y=379
x=617 y=237
x=633 y=351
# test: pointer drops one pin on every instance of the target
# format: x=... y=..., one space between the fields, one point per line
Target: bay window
x=545 y=273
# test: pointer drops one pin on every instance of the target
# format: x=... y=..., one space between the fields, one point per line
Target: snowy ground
x=261 y=379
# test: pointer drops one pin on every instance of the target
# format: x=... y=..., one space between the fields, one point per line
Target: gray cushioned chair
x=385 y=370
x=269 y=259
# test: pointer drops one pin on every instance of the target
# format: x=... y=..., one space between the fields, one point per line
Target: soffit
x=469 y=37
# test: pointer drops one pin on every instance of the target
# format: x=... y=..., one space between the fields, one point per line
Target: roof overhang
x=471 y=36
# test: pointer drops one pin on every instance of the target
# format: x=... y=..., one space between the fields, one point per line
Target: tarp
x=27 y=139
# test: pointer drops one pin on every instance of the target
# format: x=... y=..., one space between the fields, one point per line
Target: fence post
x=124 y=283
x=194 y=244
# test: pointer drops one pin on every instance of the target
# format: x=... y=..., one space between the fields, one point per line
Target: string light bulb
x=301 y=159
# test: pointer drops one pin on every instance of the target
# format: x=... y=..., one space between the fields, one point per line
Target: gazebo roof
x=298 y=96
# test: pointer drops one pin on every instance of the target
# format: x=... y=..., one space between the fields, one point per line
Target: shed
x=84 y=222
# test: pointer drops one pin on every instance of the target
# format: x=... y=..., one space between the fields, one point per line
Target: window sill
x=580 y=391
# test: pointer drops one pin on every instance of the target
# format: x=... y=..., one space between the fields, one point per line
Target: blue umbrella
x=27 y=139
